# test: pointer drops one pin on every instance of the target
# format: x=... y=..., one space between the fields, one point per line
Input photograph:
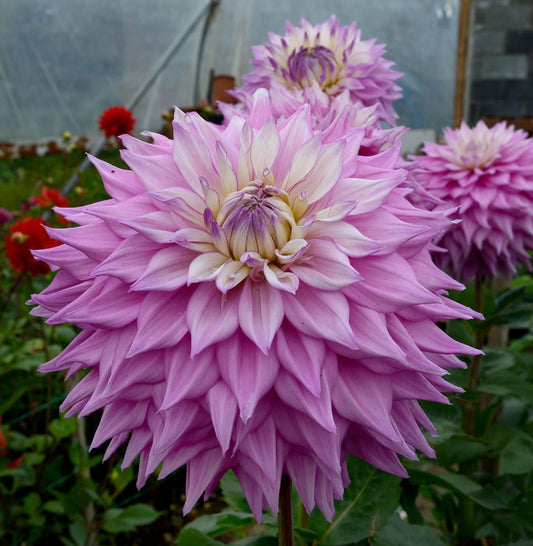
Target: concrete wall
x=502 y=60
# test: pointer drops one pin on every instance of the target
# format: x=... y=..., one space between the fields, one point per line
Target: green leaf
x=78 y=533
x=232 y=491
x=459 y=448
x=507 y=383
x=517 y=456
x=128 y=519
x=256 y=541
x=54 y=507
x=193 y=537
x=487 y=497
x=63 y=427
x=32 y=502
x=400 y=533
x=368 y=503
x=10 y=402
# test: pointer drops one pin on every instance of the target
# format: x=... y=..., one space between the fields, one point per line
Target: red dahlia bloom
x=26 y=235
x=116 y=121
x=50 y=197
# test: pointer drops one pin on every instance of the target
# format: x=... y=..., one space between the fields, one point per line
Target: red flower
x=4 y=451
x=26 y=235
x=116 y=121
x=50 y=197
x=15 y=463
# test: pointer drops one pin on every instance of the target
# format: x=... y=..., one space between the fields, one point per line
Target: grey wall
x=502 y=59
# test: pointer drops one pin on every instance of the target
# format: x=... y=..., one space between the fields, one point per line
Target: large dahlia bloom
x=487 y=173
x=328 y=59
x=256 y=298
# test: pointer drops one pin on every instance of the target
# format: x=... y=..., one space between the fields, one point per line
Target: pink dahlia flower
x=330 y=58
x=487 y=173
x=326 y=111
x=255 y=298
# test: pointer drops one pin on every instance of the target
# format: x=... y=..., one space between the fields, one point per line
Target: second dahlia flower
x=25 y=235
x=258 y=298
x=116 y=121
x=329 y=59
x=487 y=173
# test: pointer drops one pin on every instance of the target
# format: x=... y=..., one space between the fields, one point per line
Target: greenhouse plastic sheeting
x=62 y=62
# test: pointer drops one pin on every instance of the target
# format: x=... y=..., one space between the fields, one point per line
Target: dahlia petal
x=211 y=316
x=160 y=323
x=320 y=314
x=265 y=148
x=128 y=261
x=429 y=337
x=260 y=313
x=302 y=471
x=92 y=306
x=200 y=471
x=366 y=398
x=156 y=226
x=71 y=260
x=392 y=278
x=195 y=239
x=178 y=420
x=280 y=279
x=223 y=410
x=294 y=347
x=372 y=335
x=188 y=377
x=377 y=455
x=348 y=238
x=300 y=430
x=323 y=176
x=296 y=395
x=121 y=184
x=117 y=418
x=85 y=348
x=139 y=439
x=304 y=159
x=206 y=267
x=247 y=371
x=231 y=274
x=84 y=239
x=367 y=193
x=185 y=204
x=260 y=447
x=153 y=174
x=167 y=270
x=328 y=268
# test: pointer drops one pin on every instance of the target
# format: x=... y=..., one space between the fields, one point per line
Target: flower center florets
x=476 y=153
x=313 y=64
x=257 y=218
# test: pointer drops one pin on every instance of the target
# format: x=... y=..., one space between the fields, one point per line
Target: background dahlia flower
x=325 y=60
x=487 y=173
x=25 y=235
x=258 y=298
x=325 y=112
x=116 y=121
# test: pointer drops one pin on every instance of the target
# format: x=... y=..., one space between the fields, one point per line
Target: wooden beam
x=461 y=62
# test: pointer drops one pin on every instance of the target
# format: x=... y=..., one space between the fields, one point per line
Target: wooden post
x=461 y=63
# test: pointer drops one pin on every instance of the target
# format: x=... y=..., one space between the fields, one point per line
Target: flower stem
x=467 y=509
x=285 y=524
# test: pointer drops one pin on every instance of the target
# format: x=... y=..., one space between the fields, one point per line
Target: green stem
x=285 y=521
x=466 y=528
